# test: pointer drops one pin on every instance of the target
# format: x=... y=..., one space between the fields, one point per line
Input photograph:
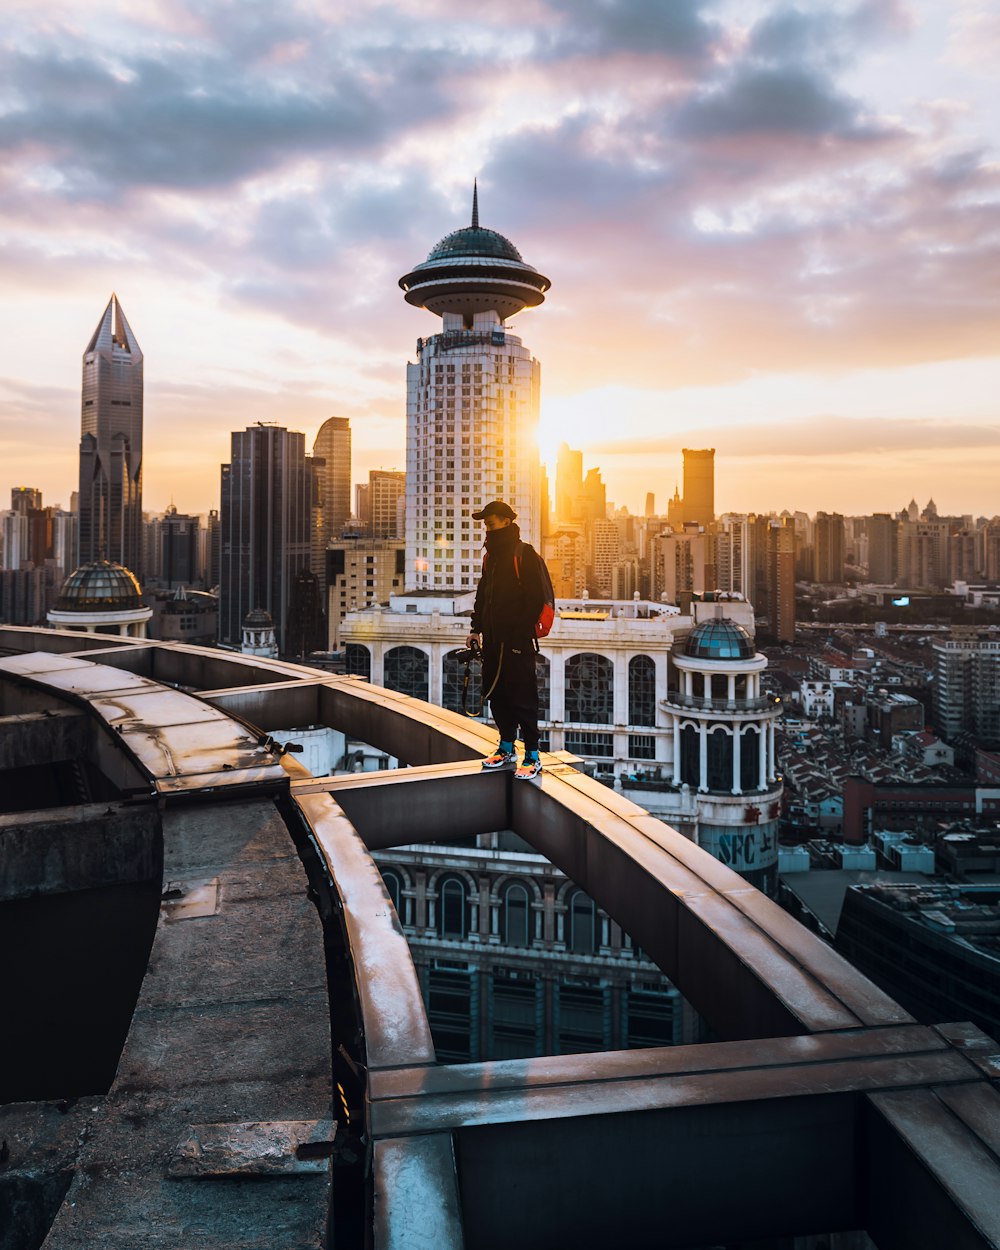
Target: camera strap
x=483 y=697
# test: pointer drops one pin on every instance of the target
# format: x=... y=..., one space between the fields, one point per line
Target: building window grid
x=589 y=689
x=641 y=690
x=642 y=746
x=406 y=671
x=590 y=742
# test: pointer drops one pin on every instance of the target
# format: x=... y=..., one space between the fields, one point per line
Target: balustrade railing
x=764 y=703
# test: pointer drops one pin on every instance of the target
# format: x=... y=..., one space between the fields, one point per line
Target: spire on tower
x=114 y=331
x=475 y=204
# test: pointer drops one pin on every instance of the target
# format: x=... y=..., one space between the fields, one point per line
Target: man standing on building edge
x=509 y=600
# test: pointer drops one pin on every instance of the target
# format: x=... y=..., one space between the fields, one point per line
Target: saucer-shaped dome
x=719 y=639
x=100 y=587
x=473 y=270
x=474 y=241
x=258 y=619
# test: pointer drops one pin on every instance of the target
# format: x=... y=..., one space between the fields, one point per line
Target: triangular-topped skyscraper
x=111 y=444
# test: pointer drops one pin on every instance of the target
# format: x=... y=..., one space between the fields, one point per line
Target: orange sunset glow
x=772 y=229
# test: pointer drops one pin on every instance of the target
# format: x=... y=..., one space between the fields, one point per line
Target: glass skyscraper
x=111 y=445
x=267 y=500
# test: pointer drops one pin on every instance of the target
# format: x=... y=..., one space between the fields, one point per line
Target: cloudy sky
x=770 y=228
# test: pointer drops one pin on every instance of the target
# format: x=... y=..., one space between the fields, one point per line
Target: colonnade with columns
x=763 y=729
x=723 y=696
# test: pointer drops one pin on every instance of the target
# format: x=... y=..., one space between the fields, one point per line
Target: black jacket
x=508 y=605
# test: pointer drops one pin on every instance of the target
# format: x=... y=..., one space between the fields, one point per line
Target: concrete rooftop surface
x=214 y=1035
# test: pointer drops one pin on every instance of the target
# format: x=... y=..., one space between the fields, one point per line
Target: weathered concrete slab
x=260 y=1148
x=49 y=851
x=231 y=1028
x=42 y=1142
x=41 y=738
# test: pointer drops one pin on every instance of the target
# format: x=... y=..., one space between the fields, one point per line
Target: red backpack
x=547 y=615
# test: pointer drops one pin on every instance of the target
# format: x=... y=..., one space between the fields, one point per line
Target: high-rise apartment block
x=967 y=688
x=781 y=578
x=828 y=548
x=682 y=563
x=31 y=535
x=699 y=485
x=565 y=555
x=472 y=405
x=110 y=525
x=963 y=556
x=24 y=498
x=605 y=549
x=732 y=555
x=13 y=540
x=991 y=550
x=177 y=542
x=594 y=498
x=332 y=446
x=922 y=554
x=267 y=494
x=361 y=571
x=882 y=549
x=386 y=503
x=569 y=486
x=626 y=579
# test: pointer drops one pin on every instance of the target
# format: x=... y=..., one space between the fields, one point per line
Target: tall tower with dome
x=472 y=404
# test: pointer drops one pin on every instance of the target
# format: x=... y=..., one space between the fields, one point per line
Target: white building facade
x=471 y=420
x=690 y=739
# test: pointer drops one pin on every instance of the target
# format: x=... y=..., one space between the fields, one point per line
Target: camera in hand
x=468 y=654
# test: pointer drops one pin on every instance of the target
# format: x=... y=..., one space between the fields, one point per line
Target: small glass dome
x=100 y=587
x=258 y=619
x=475 y=241
x=719 y=639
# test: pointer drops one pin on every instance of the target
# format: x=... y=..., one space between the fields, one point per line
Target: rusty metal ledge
x=669 y=1081
x=178 y=742
x=395 y=1022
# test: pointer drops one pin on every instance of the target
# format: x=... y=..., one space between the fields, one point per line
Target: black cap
x=496 y=508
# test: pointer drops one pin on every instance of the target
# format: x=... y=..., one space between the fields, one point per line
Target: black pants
x=514 y=701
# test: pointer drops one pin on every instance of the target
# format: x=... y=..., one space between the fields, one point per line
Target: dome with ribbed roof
x=474 y=241
x=719 y=639
x=474 y=270
x=258 y=618
x=100 y=587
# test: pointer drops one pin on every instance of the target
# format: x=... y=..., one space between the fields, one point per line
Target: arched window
x=395 y=887
x=641 y=691
x=515 y=916
x=582 y=923
x=451 y=918
x=358 y=660
x=452 y=680
x=406 y=671
x=750 y=759
x=544 y=670
x=590 y=689
x=720 y=759
x=690 y=756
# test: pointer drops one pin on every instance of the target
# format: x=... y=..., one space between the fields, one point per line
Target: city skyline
x=763 y=237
